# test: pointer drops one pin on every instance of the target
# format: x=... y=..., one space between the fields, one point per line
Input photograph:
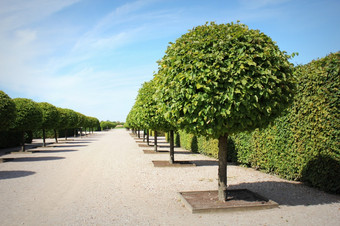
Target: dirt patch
x=239 y=199
x=155 y=152
x=176 y=164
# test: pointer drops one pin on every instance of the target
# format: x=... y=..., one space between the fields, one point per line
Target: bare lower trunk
x=44 y=138
x=155 y=144
x=172 y=151
x=147 y=137
x=55 y=136
x=138 y=133
x=222 y=167
x=144 y=135
x=23 y=141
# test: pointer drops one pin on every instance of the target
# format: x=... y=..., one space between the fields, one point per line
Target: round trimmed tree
x=50 y=118
x=222 y=79
x=7 y=111
x=29 y=117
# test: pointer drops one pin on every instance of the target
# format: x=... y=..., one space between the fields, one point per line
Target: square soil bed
x=176 y=164
x=238 y=199
x=144 y=145
x=155 y=152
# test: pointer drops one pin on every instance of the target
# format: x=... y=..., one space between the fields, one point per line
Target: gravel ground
x=106 y=179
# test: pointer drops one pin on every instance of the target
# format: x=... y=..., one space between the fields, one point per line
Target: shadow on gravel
x=53 y=151
x=290 y=194
x=33 y=159
x=75 y=142
x=14 y=174
x=68 y=146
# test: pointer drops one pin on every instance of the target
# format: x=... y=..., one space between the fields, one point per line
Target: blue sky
x=93 y=55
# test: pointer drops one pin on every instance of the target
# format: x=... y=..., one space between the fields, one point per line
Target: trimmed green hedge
x=206 y=146
x=303 y=144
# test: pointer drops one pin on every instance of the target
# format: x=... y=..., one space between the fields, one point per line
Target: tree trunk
x=147 y=137
x=23 y=141
x=55 y=136
x=65 y=134
x=44 y=138
x=143 y=135
x=155 y=142
x=222 y=167
x=172 y=151
x=138 y=133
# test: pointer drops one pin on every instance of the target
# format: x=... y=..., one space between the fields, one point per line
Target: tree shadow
x=14 y=174
x=53 y=151
x=68 y=146
x=177 y=140
x=194 y=144
x=32 y=159
x=290 y=194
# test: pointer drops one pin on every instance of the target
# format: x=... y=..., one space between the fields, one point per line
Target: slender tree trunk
x=138 y=133
x=222 y=167
x=143 y=135
x=44 y=138
x=155 y=142
x=55 y=136
x=147 y=137
x=172 y=151
x=23 y=141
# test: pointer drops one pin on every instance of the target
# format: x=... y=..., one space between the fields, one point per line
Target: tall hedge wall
x=303 y=144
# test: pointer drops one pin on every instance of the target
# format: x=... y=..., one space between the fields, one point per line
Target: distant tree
x=151 y=116
x=7 y=111
x=29 y=117
x=217 y=80
x=50 y=118
x=72 y=120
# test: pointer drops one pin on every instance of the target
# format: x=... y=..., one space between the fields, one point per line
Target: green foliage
x=7 y=111
x=68 y=118
x=107 y=125
x=226 y=78
x=145 y=113
x=50 y=116
x=29 y=115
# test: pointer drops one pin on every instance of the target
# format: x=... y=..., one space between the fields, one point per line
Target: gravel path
x=106 y=179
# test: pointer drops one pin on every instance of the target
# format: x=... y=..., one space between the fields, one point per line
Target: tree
x=7 y=111
x=50 y=118
x=217 y=80
x=151 y=116
x=29 y=117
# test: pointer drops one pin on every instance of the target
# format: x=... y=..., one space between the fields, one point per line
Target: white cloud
x=17 y=13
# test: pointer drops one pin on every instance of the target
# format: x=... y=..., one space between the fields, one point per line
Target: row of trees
x=214 y=81
x=22 y=115
x=106 y=125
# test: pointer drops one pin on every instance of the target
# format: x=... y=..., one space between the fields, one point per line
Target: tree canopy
x=7 y=111
x=29 y=115
x=226 y=78
x=50 y=116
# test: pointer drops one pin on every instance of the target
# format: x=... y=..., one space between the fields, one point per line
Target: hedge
x=302 y=144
